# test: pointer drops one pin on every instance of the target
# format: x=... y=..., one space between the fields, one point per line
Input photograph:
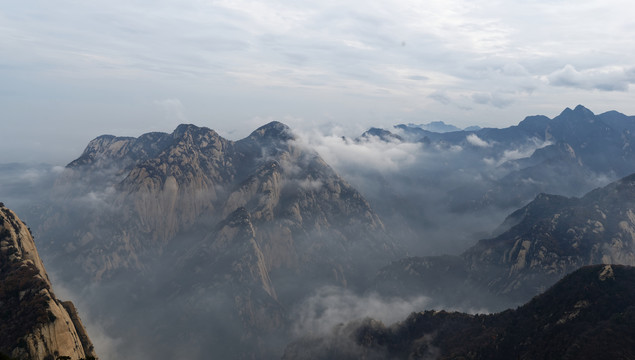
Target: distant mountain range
x=587 y=315
x=458 y=176
x=576 y=139
x=439 y=127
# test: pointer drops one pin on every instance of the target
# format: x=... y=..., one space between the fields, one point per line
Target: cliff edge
x=34 y=324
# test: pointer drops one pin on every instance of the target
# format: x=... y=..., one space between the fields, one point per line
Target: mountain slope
x=593 y=145
x=256 y=224
x=587 y=315
x=197 y=179
x=34 y=323
x=473 y=179
x=546 y=239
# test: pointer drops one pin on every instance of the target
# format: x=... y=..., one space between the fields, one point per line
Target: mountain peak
x=273 y=130
x=382 y=134
x=582 y=110
x=536 y=121
x=578 y=110
x=189 y=129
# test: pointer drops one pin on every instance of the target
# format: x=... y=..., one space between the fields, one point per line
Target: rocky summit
x=257 y=224
x=160 y=185
x=34 y=324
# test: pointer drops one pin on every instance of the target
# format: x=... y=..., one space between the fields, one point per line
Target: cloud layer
x=81 y=69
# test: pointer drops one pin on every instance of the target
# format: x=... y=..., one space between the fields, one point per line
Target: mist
x=429 y=195
x=330 y=306
x=273 y=246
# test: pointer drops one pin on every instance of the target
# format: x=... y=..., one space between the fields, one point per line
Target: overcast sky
x=72 y=70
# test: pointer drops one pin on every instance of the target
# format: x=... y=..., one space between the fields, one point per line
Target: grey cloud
x=609 y=79
x=481 y=98
x=496 y=99
x=440 y=97
x=514 y=69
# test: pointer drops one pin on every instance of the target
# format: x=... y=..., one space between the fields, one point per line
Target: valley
x=187 y=244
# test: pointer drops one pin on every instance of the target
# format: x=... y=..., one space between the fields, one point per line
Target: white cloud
x=341 y=152
x=330 y=306
x=477 y=141
x=521 y=152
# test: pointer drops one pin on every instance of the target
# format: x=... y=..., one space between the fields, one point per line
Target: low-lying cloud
x=374 y=153
x=330 y=306
x=477 y=141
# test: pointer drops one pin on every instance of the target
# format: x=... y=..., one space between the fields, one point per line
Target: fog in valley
x=265 y=243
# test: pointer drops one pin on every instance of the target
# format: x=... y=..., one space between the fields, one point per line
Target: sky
x=72 y=70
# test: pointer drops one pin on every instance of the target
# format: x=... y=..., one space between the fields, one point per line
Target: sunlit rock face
x=550 y=237
x=35 y=324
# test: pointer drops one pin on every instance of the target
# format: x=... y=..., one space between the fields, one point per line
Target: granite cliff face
x=550 y=237
x=34 y=324
x=160 y=185
x=587 y=315
x=256 y=224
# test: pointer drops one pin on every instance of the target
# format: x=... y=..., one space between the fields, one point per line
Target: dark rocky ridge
x=587 y=315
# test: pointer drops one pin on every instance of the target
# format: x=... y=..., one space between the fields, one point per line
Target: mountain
x=472 y=128
x=437 y=127
x=381 y=134
x=34 y=323
x=579 y=147
x=587 y=315
x=254 y=224
x=473 y=179
x=546 y=239
x=164 y=184
x=197 y=246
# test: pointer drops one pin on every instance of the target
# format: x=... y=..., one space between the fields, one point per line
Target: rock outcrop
x=34 y=324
